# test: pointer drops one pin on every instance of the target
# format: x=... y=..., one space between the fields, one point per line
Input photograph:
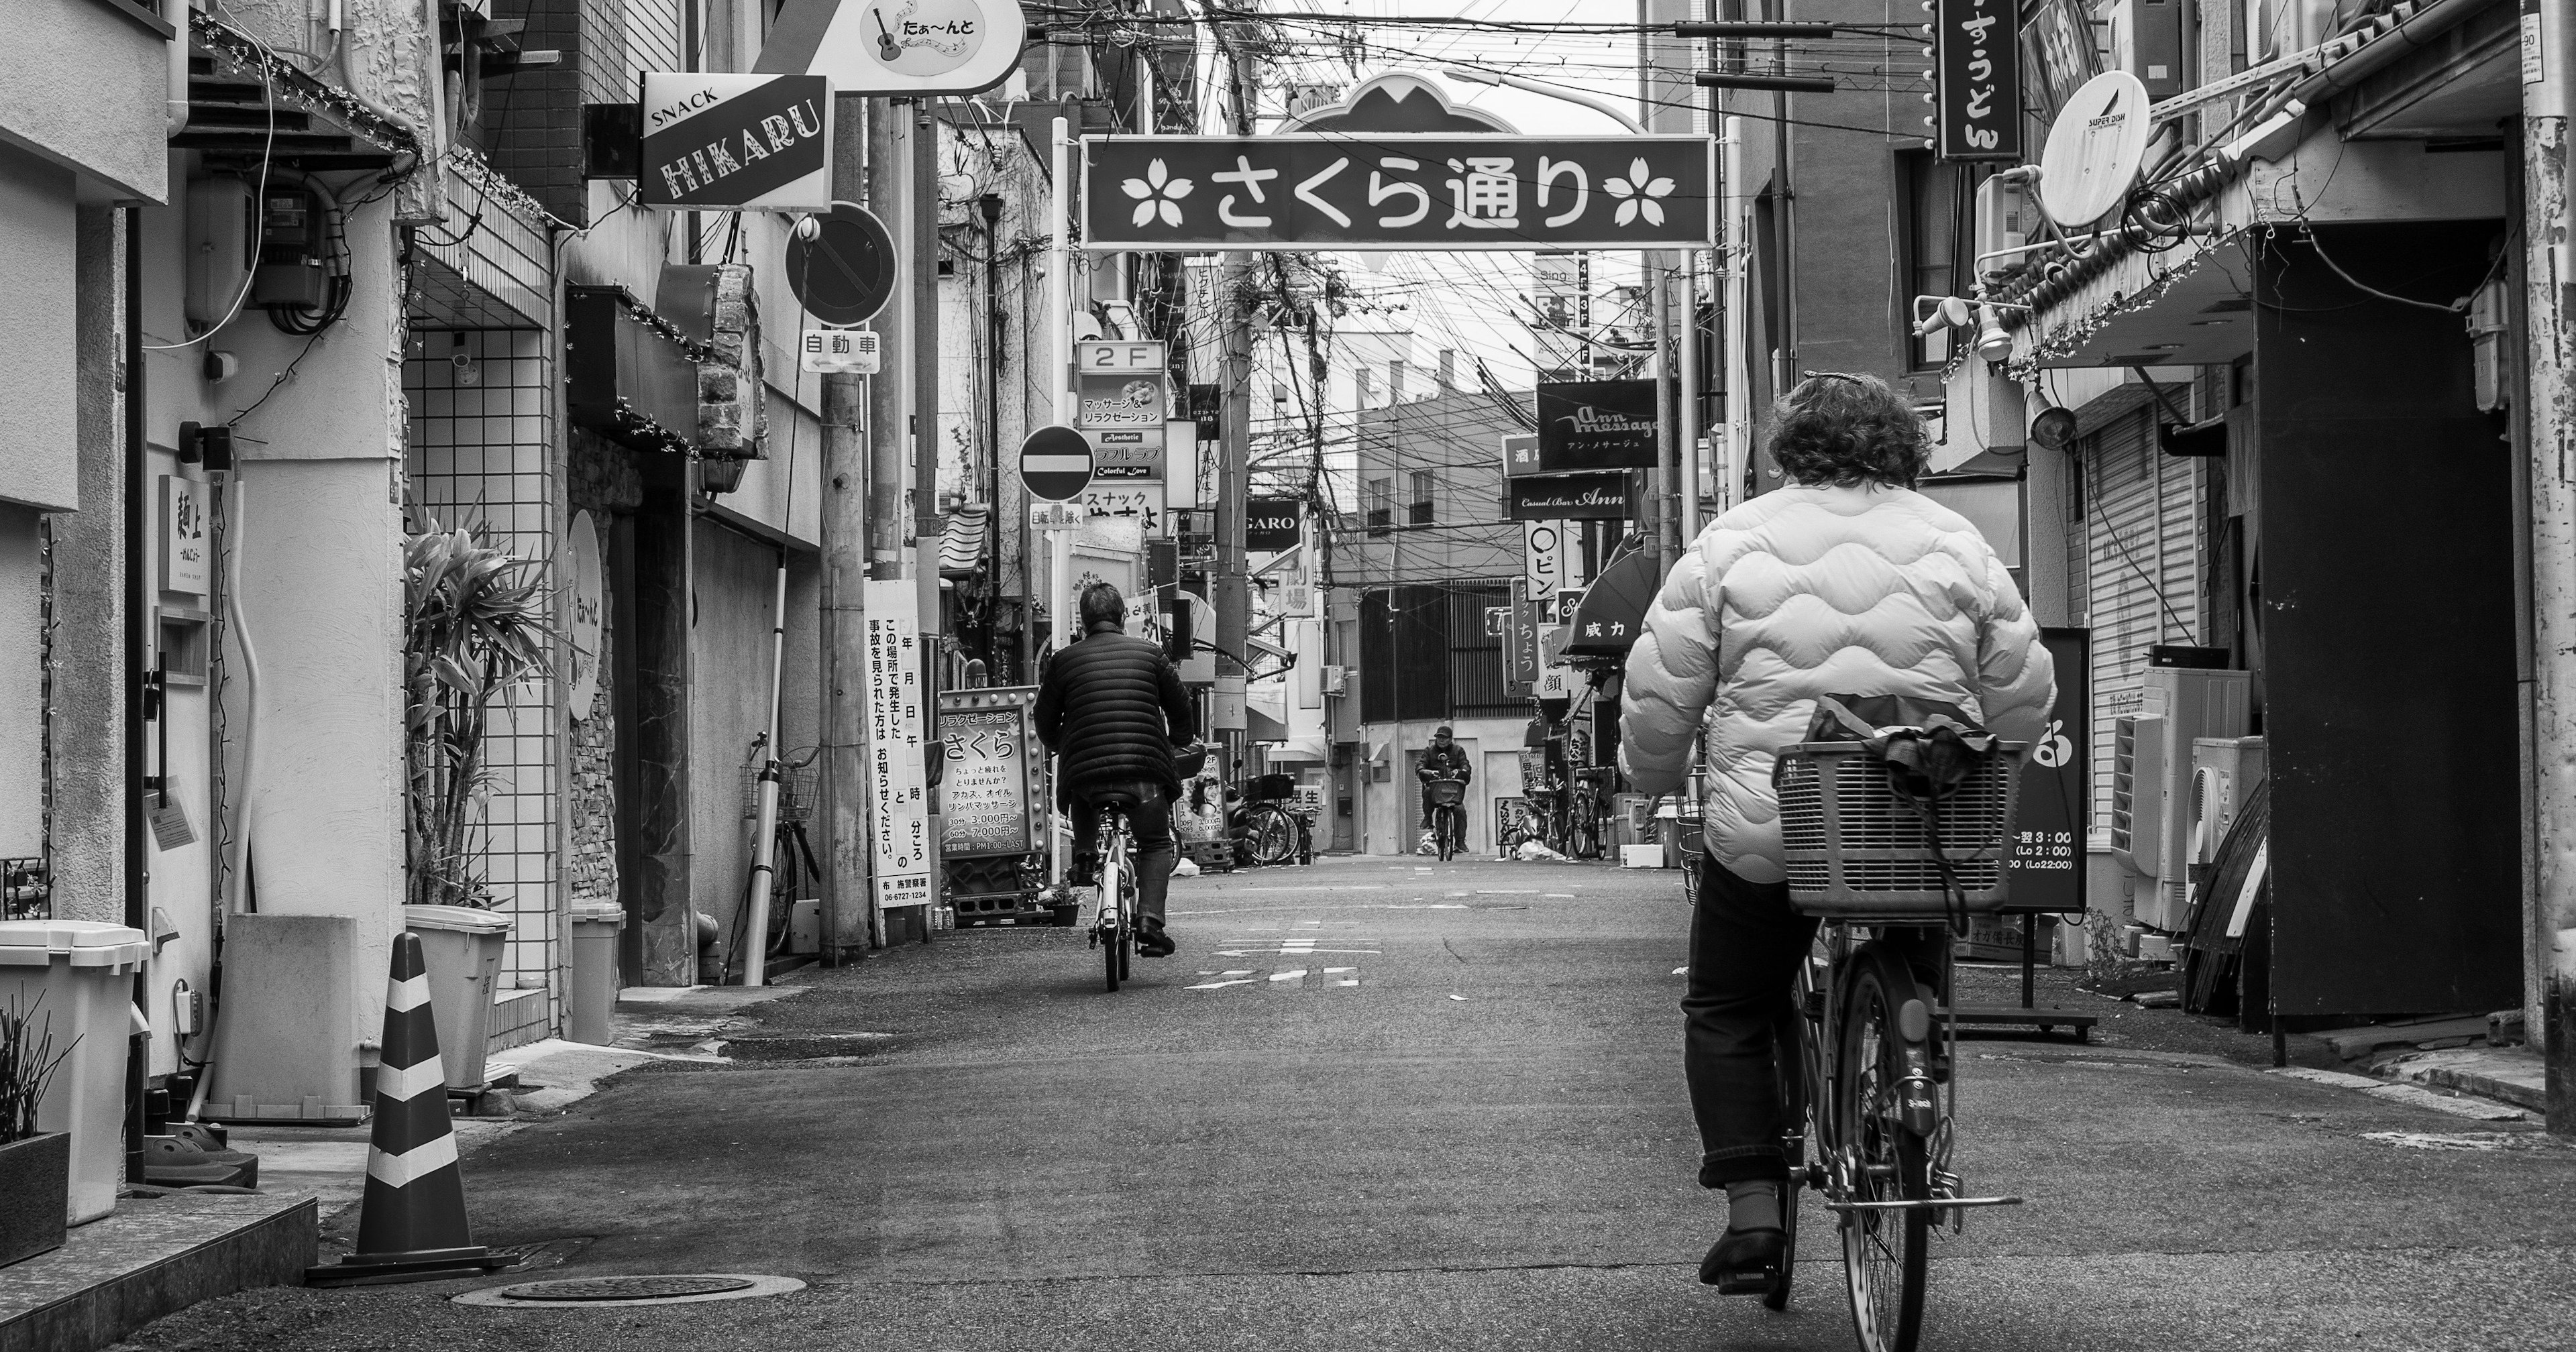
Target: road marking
x=1217 y=985
x=1303 y=952
x=1352 y=982
x=1298 y=975
x=1337 y=971
x=1502 y=892
x=1560 y=896
x=1681 y=971
x=1434 y=906
x=1457 y=997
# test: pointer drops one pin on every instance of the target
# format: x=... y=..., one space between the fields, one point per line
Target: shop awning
x=1311 y=747
x=1613 y=610
x=1261 y=727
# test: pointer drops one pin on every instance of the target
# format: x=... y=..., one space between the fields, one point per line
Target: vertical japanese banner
x=897 y=781
x=1978 y=75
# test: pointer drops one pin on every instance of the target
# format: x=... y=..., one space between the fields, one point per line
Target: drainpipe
x=138 y=663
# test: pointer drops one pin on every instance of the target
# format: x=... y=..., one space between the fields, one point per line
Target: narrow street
x=1381 y=1104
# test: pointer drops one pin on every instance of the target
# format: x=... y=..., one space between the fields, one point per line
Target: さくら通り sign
x=721 y=142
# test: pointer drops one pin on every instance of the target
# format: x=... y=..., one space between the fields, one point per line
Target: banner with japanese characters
x=896 y=779
x=988 y=795
x=1977 y=106
x=1398 y=190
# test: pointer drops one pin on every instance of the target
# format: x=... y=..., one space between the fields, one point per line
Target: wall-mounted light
x=719 y=475
x=2054 y=428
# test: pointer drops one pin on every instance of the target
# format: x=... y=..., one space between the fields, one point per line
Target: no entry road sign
x=1055 y=463
x=845 y=274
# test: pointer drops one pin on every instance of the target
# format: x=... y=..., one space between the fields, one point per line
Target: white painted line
x=1298 y=975
x=1290 y=952
x=1215 y=985
x=1457 y=997
x=1353 y=982
x=1681 y=971
x=1502 y=892
x=1560 y=896
x=1335 y=971
x=1239 y=971
x=1434 y=906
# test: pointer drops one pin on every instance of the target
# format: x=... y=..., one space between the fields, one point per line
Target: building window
x=1379 y=495
x=1368 y=386
x=1417 y=510
x=1932 y=199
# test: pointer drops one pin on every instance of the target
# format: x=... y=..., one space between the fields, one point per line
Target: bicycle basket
x=1855 y=850
x=1269 y=788
x=795 y=793
x=1447 y=793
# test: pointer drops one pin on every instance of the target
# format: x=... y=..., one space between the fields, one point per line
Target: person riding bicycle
x=1444 y=759
x=1846 y=581
x=1112 y=706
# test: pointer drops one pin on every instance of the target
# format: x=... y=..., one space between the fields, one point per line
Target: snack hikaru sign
x=1395 y=190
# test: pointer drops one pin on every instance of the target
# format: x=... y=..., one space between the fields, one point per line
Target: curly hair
x=1847 y=430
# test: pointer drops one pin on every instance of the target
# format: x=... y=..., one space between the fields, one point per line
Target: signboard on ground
x=1592 y=497
x=899 y=46
x=1055 y=463
x=1398 y=190
x=895 y=778
x=2047 y=872
x=988 y=800
x=1596 y=424
x=715 y=142
x=839 y=351
x=845 y=274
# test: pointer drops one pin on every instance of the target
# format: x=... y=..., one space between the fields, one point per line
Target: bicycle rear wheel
x=1274 y=837
x=1117 y=920
x=1882 y=1159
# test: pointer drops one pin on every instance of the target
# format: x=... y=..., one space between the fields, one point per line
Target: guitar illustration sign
x=898 y=46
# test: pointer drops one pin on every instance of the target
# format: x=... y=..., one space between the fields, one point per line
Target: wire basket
x=1855 y=850
x=795 y=793
x=1447 y=792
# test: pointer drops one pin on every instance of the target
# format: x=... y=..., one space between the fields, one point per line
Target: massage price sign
x=1398 y=190
x=988 y=796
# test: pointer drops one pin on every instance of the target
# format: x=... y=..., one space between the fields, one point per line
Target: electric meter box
x=223 y=247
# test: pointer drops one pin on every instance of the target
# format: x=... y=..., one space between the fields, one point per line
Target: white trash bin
x=80 y=975
x=592 y=1009
x=462 y=948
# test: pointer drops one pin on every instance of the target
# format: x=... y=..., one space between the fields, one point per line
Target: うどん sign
x=1397 y=190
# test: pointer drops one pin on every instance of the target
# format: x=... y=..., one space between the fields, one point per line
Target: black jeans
x=1149 y=819
x=1739 y=1019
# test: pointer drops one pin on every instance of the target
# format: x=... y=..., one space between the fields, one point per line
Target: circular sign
x=845 y=274
x=2094 y=148
x=1055 y=463
x=908 y=46
x=587 y=611
x=926 y=37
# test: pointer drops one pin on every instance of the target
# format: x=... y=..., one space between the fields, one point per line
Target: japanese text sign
x=1587 y=497
x=1136 y=453
x=839 y=351
x=896 y=779
x=987 y=796
x=1397 y=190
x=1978 y=75
x=714 y=141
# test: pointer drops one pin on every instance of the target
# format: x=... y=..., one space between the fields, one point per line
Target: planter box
x=35 y=1188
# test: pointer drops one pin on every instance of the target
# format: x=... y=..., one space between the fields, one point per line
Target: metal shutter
x=2143 y=520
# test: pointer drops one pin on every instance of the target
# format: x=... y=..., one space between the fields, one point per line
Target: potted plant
x=474 y=629
x=35 y=1166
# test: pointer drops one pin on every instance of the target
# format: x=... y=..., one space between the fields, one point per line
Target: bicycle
x=1586 y=805
x=1448 y=817
x=1113 y=929
x=1879 y=1143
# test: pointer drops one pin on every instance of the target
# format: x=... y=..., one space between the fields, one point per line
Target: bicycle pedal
x=1749 y=1282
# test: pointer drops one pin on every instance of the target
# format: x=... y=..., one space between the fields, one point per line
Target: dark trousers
x=1740 y=1031
x=1149 y=819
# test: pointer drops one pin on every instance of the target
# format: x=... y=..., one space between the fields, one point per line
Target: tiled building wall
x=481 y=453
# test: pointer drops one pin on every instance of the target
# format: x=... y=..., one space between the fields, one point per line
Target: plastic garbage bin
x=462 y=948
x=594 y=970
x=79 y=975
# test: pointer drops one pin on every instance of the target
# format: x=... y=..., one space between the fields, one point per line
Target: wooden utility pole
x=2549 y=427
x=1233 y=599
x=847 y=922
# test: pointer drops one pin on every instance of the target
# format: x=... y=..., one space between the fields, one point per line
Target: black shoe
x=1745 y=1262
x=1152 y=941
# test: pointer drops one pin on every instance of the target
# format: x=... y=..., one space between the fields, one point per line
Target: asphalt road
x=1377 y=1104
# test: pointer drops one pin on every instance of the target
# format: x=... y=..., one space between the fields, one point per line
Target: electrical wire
x=259 y=205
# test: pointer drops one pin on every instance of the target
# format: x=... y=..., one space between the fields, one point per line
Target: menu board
x=988 y=801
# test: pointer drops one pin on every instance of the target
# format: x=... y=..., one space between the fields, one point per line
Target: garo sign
x=726 y=142
x=1396 y=190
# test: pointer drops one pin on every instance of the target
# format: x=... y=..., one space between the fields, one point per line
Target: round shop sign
x=584 y=614
x=2094 y=148
x=901 y=47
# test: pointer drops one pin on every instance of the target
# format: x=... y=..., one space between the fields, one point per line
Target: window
x=1368 y=386
x=1379 y=502
x=1418 y=507
x=1932 y=200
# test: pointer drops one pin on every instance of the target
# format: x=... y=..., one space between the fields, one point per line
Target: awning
x=1613 y=610
x=1261 y=727
x=961 y=540
x=1311 y=747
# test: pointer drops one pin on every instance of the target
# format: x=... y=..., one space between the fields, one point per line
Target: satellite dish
x=2094 y=148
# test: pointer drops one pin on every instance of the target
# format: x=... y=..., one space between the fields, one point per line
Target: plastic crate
x=1854 y=850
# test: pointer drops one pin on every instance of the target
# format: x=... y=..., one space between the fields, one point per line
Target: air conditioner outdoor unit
x=2151 y=777
x=1337 y=680
x=2145 y=39
x=2223 y=771
x=2007 y=218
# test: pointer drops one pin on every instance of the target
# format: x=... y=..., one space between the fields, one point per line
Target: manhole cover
x=677 y=1288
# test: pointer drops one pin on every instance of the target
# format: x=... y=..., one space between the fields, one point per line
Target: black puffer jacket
x=1113 y=706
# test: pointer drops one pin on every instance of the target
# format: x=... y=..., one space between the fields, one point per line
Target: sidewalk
x=160 y=1254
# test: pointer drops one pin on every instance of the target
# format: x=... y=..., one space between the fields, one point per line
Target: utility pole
x=847 y=921
x=2549 y=420
x=1665 y=95
x=1233 y=599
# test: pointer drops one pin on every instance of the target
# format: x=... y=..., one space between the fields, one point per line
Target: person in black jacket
x=1443 y=759
x=1112 y=706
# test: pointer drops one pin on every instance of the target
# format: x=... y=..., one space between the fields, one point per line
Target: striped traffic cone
x=411 y=1224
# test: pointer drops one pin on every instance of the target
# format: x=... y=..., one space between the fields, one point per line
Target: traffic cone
x=411 y=1224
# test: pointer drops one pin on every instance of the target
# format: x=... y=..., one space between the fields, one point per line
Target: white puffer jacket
x=1812 y=591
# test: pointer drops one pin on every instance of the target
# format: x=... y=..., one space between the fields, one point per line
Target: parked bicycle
x=1891 y=872
x=1586 y=805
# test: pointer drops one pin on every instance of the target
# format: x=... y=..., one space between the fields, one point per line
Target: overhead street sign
x=1055 y=463
x=1398 y=190
x=898 y=46
x=845 y=274
x=720 y=142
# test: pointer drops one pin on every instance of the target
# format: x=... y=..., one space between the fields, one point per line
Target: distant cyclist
x=1112 y=706
x=1443 y=759
x=1845 y=582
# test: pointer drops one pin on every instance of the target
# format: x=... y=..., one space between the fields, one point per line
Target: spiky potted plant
x=475 y=630
x=35 y=1165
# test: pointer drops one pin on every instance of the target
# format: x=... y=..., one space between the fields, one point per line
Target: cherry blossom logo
x=1637 y=194
x=1158 y=193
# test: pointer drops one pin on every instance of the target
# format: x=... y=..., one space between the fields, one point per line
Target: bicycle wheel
x=1114 y=920
x=1881 y=1158
x=1274 y=837
x=1583 y=829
